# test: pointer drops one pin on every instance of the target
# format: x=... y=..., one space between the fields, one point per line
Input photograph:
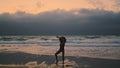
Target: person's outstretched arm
x=57 y=36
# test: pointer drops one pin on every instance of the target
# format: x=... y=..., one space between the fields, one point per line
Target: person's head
x=62 y=39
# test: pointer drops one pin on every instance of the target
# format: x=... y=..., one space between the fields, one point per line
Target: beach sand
x=34 y=56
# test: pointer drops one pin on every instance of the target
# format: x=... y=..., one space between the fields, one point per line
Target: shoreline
x=37 y=56
x=93 y=52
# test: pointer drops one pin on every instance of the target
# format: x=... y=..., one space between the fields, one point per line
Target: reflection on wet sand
x=25 y=60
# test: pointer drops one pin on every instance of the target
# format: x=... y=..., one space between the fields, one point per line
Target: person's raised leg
x=57 y=56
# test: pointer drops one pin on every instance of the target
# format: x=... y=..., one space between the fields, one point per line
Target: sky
x=64 y=17
x=37 y=6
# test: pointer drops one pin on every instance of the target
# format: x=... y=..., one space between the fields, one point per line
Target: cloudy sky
x=53 y=17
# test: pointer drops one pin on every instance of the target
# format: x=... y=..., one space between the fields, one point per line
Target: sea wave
x=94 y=40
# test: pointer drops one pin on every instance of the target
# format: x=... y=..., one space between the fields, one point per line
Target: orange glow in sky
x=37 y=6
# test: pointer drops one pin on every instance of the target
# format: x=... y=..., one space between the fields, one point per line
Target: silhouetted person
x=61 y=49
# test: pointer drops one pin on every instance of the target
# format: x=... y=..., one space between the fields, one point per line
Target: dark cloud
x=56 y=22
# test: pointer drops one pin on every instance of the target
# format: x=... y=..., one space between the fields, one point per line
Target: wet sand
x=25 y=60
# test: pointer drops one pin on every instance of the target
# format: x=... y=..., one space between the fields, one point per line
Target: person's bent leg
x=57 y=56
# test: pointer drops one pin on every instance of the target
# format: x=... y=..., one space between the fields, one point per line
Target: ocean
x=96 y=46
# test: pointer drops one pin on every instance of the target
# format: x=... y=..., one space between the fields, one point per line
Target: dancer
x=61 y=49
